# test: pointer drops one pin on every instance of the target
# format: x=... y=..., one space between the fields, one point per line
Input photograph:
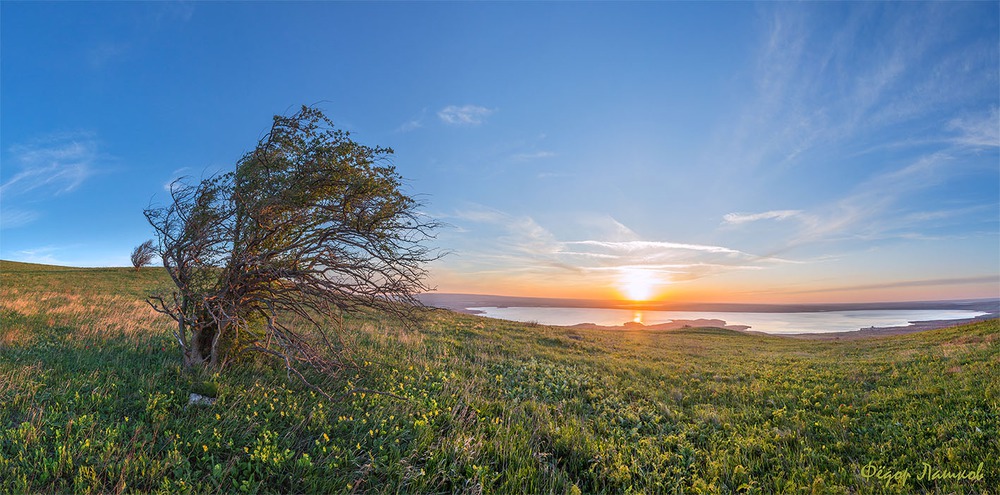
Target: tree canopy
x=143 y=254
x=309 y=225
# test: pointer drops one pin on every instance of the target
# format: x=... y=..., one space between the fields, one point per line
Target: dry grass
x=90 y=316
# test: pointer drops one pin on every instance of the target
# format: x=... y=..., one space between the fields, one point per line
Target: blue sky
x=692 y=151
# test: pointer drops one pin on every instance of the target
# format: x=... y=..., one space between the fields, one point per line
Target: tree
x=143 y=254
x=309 y=226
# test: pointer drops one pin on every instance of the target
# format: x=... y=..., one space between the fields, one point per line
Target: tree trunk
x=202 y=346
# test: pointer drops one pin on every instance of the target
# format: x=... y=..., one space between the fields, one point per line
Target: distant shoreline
x=462 y=303
x=913 y=327
x=917 y=326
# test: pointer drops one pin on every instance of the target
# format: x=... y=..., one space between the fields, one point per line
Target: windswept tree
x=143 y=254
x=309 y=226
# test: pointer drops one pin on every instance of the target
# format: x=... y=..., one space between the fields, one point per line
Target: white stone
x=200 y=400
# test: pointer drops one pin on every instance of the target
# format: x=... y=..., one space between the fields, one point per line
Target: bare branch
x=310 y=225
x=143 y=254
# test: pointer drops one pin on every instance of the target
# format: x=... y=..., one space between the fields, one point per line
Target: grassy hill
x=92 y=399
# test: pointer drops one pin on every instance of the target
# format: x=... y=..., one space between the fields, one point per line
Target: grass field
x=92 y=399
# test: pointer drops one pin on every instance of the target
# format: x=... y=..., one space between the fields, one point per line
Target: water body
x=774 y=323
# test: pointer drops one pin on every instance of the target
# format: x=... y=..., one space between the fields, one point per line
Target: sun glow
x=637 y=284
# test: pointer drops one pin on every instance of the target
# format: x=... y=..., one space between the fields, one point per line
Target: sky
x=713 y=152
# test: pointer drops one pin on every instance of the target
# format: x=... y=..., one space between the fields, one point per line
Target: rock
x=200 y=400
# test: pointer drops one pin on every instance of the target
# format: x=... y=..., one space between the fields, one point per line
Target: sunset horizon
x=723 y=300
x=843 y=152
x=499 y=247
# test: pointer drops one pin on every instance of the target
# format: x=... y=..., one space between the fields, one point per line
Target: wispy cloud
x=481 y=214
x=410 y=125
x=876 y=209
x=417 y=122
x=176 y=175
x=934 y=282
x=889 y=109
x=535 y=155
x=54 y=165
x=866 y=211
x=929 y=216
x=45 y=255
x=522 y=249
x=978 y=131
x=104 y=53
x=13 y=218
x=554 y=175
x=739 y=218
x=638 y=246
x=466 y=115
x=822 y=83
x=69 y=255
x=172 y=12
x=607 y=227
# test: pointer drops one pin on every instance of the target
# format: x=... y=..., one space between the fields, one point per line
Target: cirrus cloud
x=57 y=164
x=506 y=248
x=739 y=218
x=466 y=115
x=978 y=131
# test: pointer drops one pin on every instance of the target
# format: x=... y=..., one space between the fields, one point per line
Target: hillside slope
x=92 y=399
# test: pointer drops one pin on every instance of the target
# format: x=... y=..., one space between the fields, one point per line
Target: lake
x=774 y=323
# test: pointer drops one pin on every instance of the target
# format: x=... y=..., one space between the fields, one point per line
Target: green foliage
x=309 y=224
x=93 y=400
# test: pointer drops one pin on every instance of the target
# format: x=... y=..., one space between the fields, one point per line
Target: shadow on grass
x=60 y=368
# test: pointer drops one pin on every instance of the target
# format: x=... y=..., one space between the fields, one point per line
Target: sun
x=637 y=284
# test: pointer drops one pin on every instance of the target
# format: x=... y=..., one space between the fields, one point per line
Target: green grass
x=94 y=400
